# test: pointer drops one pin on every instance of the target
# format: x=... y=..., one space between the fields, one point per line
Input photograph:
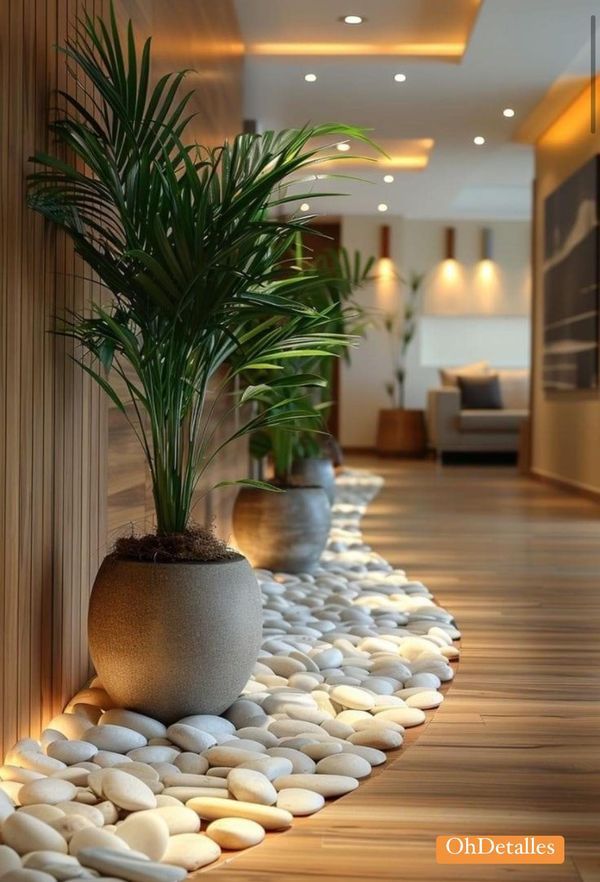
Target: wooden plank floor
x=515 y=748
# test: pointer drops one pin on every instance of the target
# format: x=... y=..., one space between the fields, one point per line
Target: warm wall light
x=384 y=242
x=449 y=243
x=487 y=244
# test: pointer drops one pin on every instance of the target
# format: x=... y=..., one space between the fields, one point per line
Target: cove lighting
x=343 y=146
x=389 y=179
x=382 y=207
x=310 y=78
x=479 y=140
x=353 y=19
x=400 y=78
x=508 y=112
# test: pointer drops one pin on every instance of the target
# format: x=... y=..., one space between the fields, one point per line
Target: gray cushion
x=491 y=420
x=480 y=393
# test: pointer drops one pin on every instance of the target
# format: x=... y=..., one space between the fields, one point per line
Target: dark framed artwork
x=571 y=278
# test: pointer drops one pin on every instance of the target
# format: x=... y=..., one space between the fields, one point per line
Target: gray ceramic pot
x=173 y=639
x=282 y=531
x=318 y=471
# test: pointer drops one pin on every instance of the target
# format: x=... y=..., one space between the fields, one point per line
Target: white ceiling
x=516 y=50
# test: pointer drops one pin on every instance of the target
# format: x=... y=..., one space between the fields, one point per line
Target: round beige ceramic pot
x=173 y=639
x=317 y=471
x=282 y=531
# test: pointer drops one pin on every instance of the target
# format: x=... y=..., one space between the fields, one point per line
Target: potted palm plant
x=401 y=430
x=193 y=261
x=287 y=530
x=341 y=275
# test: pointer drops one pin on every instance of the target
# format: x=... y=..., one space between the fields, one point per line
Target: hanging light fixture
x=487 y=243
x=384 y=242
x=449 y=237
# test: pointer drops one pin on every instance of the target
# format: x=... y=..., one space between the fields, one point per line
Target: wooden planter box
x=401 y=433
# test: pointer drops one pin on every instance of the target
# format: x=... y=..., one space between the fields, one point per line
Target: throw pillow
x=480 y=393
x=449 y=376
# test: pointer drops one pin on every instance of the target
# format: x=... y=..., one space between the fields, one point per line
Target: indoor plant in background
x=285 y=531
x=401 y=430
x=341 y=275
x=194 y=262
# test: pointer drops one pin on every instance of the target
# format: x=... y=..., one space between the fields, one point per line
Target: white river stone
x=269 y=766
x=344 y=764
x=45 y=813
x=146 y=726
x=191 y=851
x=25 y=875
x=267 y=816
x=189 y=738
x=9 y=860
x=119 y=865
x=300 y=801
x=91 y=812
x=126 y=791
x=326 y=785
x=246 y=784
x=178 y=818
x=191 y=763
x=95 y=837
x=154 y=754
x=115 y=738
x=70 y=752
x=406 y=716
x=48 y=790
x=301 y=764
x=145 y=832
x=24 y=833
x=235 y=833
x=428 y=698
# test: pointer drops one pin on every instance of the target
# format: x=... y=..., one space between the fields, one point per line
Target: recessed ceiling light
x=310 y=78
x=352 y=19
x=343 y=146
x=479 y=140
x=508 y=111
x=400 y=78
x=305 y=207
x=389 y=179
x=382 y=207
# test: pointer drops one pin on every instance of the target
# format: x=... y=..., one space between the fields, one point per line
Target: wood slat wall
x=53 y=420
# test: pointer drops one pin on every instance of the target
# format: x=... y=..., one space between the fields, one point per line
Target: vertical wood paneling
x=203 y=38
x=53 y=420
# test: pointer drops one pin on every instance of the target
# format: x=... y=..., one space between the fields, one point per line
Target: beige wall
x=566 y=431
x=457 y=297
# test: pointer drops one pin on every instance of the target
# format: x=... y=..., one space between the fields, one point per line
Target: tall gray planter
x=282 y=531
x=174 y=639
x=317 y=471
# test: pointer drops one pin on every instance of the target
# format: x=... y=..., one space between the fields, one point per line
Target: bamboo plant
x=188 y=245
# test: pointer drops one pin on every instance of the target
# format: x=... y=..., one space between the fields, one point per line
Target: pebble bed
x=352 y=656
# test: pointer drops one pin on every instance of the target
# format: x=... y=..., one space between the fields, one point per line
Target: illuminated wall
x=460 y=291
